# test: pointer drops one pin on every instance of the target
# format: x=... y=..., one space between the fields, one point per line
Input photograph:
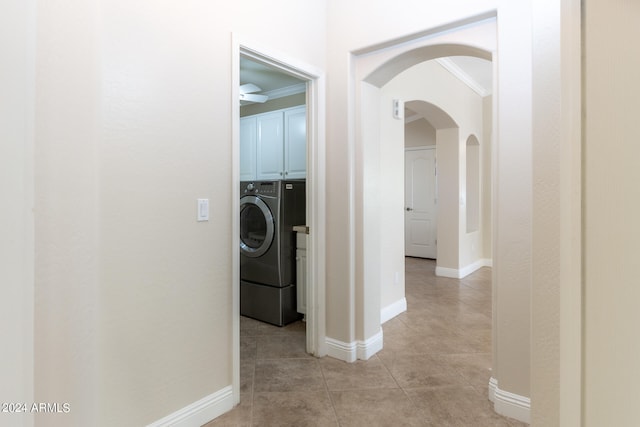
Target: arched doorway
x=370 y=215
x=372 y=70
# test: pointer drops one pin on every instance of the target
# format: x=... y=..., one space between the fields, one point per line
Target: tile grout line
x=326 y=386
x=253 y=388
x=431 y=302
x=404 y=391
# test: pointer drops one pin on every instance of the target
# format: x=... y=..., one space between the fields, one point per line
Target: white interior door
x=420 y=203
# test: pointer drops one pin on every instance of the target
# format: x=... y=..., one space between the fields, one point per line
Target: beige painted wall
x=17 y=24
x=555 y=230
x=449 y=237
x=67 y=278
x=512 y=201
x=419 y=133
x=486 y=185
x=585 y=347
x=611 y=212
x=133 y=296
x=372 y=215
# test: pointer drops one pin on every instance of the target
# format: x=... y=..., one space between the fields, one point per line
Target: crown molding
x=463 y=76
x=286 y=91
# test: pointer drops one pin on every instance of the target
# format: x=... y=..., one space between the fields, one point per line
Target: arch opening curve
x=394 y=66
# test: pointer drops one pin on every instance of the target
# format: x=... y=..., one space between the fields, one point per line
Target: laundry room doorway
x=278 y=147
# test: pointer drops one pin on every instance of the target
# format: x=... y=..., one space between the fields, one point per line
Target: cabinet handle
x=280 y=173
x=286 y=173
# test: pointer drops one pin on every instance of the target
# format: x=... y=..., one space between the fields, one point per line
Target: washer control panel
x=269 y=188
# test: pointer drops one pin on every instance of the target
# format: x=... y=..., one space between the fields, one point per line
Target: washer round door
x=256 y=226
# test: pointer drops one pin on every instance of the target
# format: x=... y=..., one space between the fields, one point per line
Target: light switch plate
x=398 y=109
x=203 y=209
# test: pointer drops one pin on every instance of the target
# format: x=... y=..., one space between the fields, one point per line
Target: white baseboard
x=341 y=350
x=366 y=349
x=509 y=404
x=200 y=412
x=453 y=273
x=465 y=271
x=392 y=310
x=350 y=352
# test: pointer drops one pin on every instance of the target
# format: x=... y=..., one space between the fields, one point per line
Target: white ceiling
x=271 y=80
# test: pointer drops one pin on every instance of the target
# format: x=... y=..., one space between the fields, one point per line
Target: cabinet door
x=247 y=149
x=270 y=146
x=295 y=143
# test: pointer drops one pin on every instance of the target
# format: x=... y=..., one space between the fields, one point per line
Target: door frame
x=420 y=148
x=316 y=199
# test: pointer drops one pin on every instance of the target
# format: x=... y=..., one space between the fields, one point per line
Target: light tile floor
x=433 y=371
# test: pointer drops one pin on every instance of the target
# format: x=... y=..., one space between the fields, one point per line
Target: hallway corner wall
x=611 y=208
x=512 y=210
x=486 y=177
x=17 y=257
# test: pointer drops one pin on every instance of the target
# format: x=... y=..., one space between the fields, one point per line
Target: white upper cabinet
x=270 y=146
x=248 y=148
x=274 y=145
x=295 y=143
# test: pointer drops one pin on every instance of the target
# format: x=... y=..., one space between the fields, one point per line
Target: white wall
x=390 y=189
x=372 y=214
x=419 y=133
x=431 y=83
x=17 y=27
x=133 y=296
